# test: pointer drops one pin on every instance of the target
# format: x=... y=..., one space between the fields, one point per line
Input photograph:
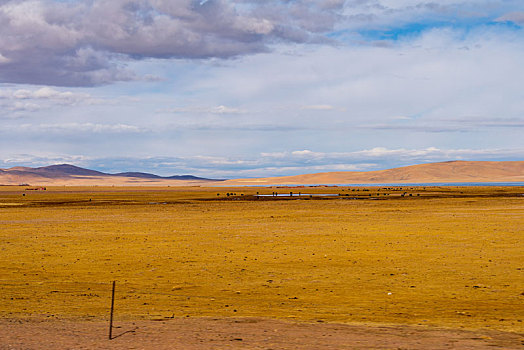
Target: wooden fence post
x=112 y=308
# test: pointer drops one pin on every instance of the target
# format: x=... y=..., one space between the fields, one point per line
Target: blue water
x=297 y=194
x=420 y=184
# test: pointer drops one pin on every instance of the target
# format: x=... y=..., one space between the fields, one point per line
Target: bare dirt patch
x=242 y=333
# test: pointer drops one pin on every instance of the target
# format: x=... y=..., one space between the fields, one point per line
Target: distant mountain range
x=454 y=171
x=443 y=172
x=73 y=175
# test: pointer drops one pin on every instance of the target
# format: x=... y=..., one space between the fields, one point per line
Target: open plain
x=429 y=258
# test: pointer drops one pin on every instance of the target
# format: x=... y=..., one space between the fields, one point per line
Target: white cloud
x=516 y=17
x=23 y=106
x=383 y=152
x=226 y=110
x=307 y=153
x=398 y=155
x=206 y=110
x=44 y=93
x=319 y=107
x=49 y=93
x=3 y=59
x=274 y=154
x=400 y=117
x=43 y=159
x=80 y=127
x=36 y=99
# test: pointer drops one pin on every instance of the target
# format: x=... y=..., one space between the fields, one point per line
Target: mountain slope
x=153 y=176
x=66 y=170
x=66 y=174
x=454 y=171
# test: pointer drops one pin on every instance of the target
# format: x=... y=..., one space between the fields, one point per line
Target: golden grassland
x=445 y=256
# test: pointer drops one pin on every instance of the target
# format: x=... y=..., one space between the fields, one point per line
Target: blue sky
x=250 y=88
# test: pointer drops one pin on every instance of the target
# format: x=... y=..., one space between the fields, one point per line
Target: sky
x=245 y=88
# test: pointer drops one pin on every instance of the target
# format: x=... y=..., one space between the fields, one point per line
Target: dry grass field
x=450 y=257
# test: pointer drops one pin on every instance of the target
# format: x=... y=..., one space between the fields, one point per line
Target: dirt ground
x=201 y=269
x=242 y=333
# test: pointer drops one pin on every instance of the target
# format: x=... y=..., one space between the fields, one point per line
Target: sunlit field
x=434 y=256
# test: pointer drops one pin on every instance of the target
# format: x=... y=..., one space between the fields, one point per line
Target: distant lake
x=297 y=194
x=421 y=184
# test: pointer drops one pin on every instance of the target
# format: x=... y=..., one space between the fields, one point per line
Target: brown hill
x=70 y=175
x=454 y=171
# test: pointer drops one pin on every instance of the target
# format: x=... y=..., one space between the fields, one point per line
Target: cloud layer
x=256 y=88
x=85 y=43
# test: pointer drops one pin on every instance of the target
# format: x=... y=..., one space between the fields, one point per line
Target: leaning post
x=112 y=309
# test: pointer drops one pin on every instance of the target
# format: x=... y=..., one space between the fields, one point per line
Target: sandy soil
x=242 y=333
